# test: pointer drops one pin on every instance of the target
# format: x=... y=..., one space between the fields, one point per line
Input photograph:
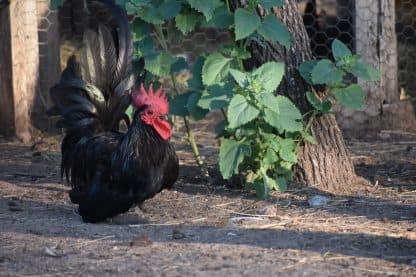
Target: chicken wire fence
x=406 y=45
x=326 y=20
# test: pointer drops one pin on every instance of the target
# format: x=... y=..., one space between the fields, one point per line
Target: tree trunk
x=19 y=60
x=326 y=165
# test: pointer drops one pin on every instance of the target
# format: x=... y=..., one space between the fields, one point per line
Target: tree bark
x=326 y=165
x=20 y=65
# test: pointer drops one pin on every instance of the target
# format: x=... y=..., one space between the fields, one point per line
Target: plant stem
x=161 y=37
x=228 y=5
x=194 y=146
x=191 y=138
x=310 y=120
x=224 y=114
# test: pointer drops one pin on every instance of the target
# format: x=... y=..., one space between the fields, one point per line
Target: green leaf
x=246 y=23
x=273 y=29
x=246 y=131
x=271 y=183
x=56 y=3
x=313 y=100
x=325 y=72
x=240 y=111
x=351 y=97
x=169 y=9
x=323 y=107
x=239 y=77
x=139 y=3
x=150 y=15
x=129 y=112
x=232 y=154
x=262 y=189
x=130 y=8
x=221 y=19
x=269 y=75
x=286 y=147
x=268 y=184
x=146 y=48
x=186 y=22
x=308 y=137
x=270 y=158
x=287 y=144
x=269 y=101
x=217 y=97
x=288 y=119
x=236 y=52
x=288 y=154
x=179 y=65
x=340 y=50
x=305 y=70
x=215 y=69
x=282 y=183
x=267 y=4
x=141 y=29
x=178 y=105
x=205 y=7
x=159 y=65
x=196 y=81
x=364 y=71
x=195 y=111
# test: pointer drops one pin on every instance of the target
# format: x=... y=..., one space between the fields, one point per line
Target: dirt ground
x=195 y=230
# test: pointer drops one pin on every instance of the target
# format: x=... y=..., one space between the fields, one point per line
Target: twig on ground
x=83 y=243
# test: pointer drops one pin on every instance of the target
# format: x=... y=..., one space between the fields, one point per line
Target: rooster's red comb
x=157 y=100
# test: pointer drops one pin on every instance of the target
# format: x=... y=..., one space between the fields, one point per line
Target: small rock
x=50 y=252
x=241 y=219
x=384 y=136
x=268 y=210
x=127 y=219
x=141 y=241
x=178 y=235
x=318 y=201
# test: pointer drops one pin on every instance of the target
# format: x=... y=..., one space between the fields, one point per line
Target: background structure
x=383 y=31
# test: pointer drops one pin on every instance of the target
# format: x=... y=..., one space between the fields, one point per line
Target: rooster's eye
x=149 y=112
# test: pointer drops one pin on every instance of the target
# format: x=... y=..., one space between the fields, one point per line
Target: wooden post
x=376 y=42
x=19 y=70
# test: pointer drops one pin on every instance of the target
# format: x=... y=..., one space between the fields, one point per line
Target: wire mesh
x=406 y=46
x=325 y=21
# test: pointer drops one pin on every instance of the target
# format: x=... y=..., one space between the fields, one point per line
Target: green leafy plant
x=261 y=131
x=332 y=74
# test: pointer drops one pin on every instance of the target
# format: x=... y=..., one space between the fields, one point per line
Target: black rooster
x=110 y=171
